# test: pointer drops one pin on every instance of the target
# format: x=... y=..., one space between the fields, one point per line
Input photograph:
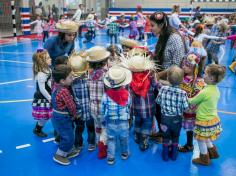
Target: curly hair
x=40 y=62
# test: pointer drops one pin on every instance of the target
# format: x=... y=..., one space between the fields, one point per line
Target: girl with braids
x=191 y=84
x=207 y=125
x=170 y=50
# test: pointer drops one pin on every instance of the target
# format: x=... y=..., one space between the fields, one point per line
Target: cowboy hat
x=140 y=50
x=67 y=26
x=138 y=63
x=117 y=76
x=90 y=17
x=129 y=42
x=97 y=54
x=78 y=64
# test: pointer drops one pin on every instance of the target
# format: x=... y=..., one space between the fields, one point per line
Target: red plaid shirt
x=64 y=100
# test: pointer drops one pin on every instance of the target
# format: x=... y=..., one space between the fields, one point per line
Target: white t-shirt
x=42 y=77
x=174 y=21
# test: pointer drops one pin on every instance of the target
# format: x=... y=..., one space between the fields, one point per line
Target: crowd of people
x=115 y=90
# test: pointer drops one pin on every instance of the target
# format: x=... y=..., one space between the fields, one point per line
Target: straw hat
x=140 y=50
x=138 y=63
x=209 y=20
x=90 y=17
x=78 y=64
x=129 y=42
x=117 y=76
x=223 y=25
x=67 y=26
x=113 y=18
x=97 y=54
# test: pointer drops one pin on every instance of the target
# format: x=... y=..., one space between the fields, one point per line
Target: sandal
x=185 y=148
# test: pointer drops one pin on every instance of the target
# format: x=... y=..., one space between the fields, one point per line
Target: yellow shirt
x=206 y=101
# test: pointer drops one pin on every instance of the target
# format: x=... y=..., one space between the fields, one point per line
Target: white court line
x=48 y=140
x=21 y=80
x=0 y=151
x=13 y=61
x=16 y=43
x=23 y=146
x=14 y=52
x=15 y=101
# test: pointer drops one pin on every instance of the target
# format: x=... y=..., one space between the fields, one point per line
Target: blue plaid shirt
x=173 y=101
x=112 y=111
x=81 y=93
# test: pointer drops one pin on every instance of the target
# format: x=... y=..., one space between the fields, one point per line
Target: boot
x=102 y=150
x=38 y=131
x=213 y=154
x=189 y=146
x=203 y=159
x=174 y=148
x=232 y=67
x=165 y=152
x=143 y=145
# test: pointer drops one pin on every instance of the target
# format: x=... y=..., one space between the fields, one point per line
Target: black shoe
x=38 y=131
x=111 y=161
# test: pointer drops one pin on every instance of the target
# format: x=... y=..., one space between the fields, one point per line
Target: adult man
x=78 y=16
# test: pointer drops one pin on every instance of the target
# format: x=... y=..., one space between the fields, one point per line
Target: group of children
x=104 y=90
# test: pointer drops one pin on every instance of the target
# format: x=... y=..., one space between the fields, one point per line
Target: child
x=38 y=28
x=192 y=84
x=173 y=102
x=81 y=92
x=115 y=110
x=113 y=29
x=42 y=110
x=90 y=24
x=64 y=112
x=128 y=44
x=133 y=28
x=143 y=100
x=147 y=29
x=97 y=58
x=207 y=125
x=115 y=51
x=45 y=29
x=122 y=24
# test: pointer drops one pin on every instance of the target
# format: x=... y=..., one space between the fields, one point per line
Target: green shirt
x=206 y=101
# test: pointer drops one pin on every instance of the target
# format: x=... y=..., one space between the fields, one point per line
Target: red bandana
x=140 y=83
x=119 y=96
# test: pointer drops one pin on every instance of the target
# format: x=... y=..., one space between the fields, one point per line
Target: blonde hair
x=40 y=62
x=175 y=75
x=216 y=71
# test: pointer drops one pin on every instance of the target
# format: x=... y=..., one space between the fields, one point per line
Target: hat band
x=113 y=83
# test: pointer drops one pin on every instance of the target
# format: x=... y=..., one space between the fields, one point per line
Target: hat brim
x=128 y=79
x=106 y=55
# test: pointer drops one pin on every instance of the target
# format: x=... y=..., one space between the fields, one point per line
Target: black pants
x=79 y=129
x=45 y=35
x=111 y=38
x=171 y=126
x=80 y=30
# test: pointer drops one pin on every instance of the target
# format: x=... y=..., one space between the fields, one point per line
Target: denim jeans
x=111 y=38
x=143 y=125
x=63 y=125
x=117 y=129
x=171 y=126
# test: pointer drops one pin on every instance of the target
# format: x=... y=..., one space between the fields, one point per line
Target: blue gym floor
x=16 y=125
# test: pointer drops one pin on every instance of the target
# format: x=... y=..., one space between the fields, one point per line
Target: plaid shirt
x=64 y=100
x=96 y=90
x=173 y=101
x=213 y=47
x=81 y=93
x=144 y=108
x=113 y=28
x=174 y=51
x=113 y=111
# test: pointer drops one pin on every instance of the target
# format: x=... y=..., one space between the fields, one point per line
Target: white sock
x=209 y=143
x=41 y=122
x=202 y=147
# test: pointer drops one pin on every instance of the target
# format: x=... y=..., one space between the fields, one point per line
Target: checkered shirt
x=113 y=28
x=213 y=47
x=81 y=93
x=174 y=51
x=112 y=111
x=96 y=91
x=173 y=101
x=144 y=108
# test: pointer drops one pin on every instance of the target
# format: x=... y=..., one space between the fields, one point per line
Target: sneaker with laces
x=124 y=156
x=91 y=147
x=61 y=160
x=73 y=153
x=110 y=161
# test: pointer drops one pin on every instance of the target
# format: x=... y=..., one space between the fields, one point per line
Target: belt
x=60 y=112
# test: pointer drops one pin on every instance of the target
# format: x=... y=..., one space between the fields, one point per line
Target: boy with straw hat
x=128 y=44
x=97 y=59
x=80 y=89
x=115 y=109
x=143 y=100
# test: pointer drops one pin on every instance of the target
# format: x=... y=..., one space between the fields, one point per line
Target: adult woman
x=169 y=49
x=63 y=43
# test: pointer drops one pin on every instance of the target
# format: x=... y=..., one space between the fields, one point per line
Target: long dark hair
x=160 y=18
